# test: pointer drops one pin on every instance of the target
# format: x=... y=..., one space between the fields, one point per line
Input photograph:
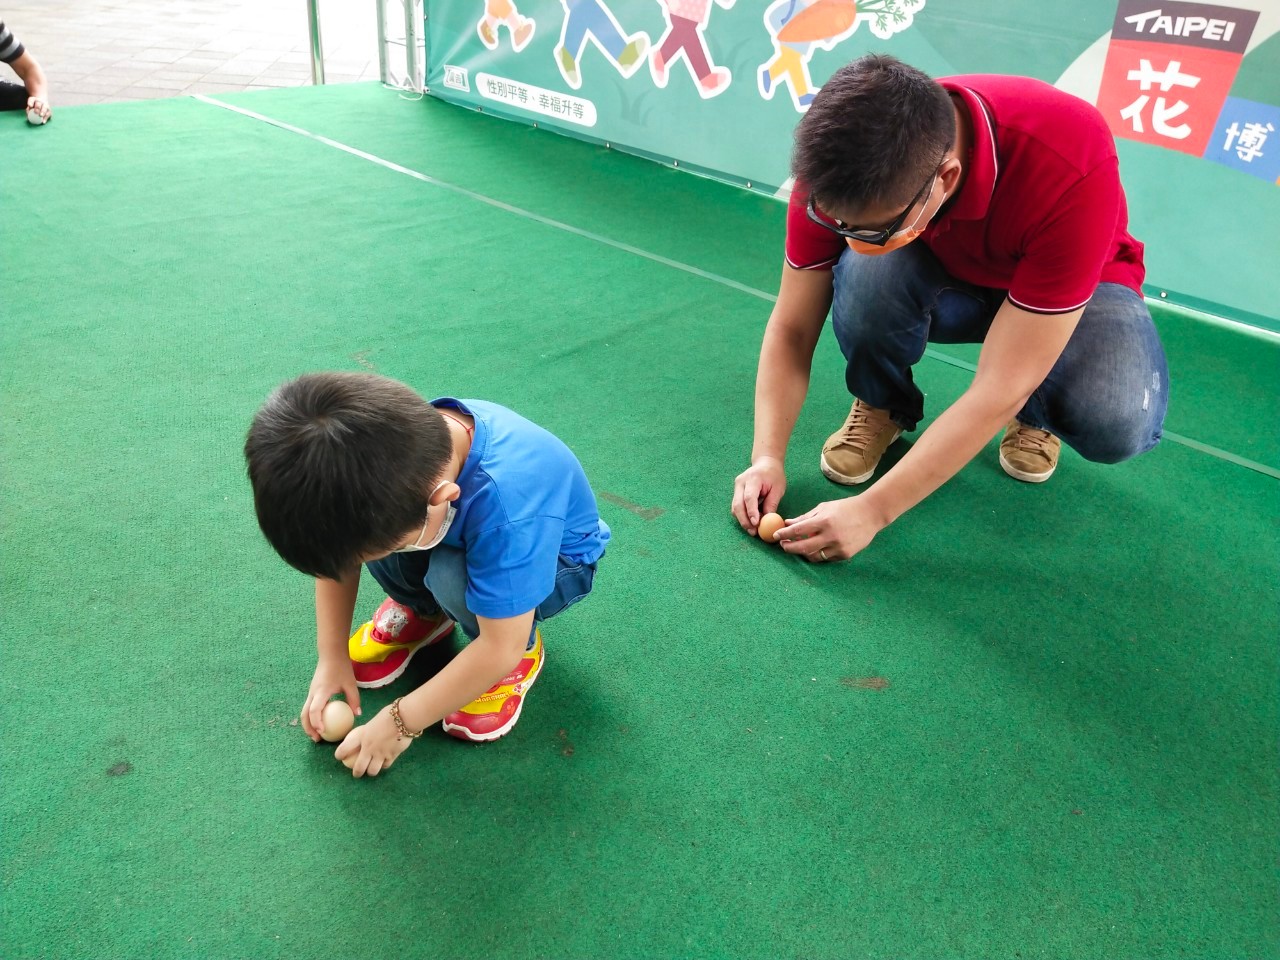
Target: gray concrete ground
x=95 y=51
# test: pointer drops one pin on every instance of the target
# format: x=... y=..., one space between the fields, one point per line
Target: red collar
x=982 y=165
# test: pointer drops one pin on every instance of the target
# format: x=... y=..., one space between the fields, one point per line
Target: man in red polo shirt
x=1010 y=190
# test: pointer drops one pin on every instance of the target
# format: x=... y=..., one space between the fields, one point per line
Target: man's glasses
x=877 y=238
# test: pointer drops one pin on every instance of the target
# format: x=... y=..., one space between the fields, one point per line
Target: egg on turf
x=770 y=524
x=336 y=721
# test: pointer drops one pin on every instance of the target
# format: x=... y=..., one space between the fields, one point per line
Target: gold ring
x=822 y=554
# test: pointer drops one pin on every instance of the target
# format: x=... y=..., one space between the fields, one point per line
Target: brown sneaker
x=1029 y=454
x=851 y=454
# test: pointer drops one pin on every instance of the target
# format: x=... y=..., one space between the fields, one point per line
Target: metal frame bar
x=411 y=44
x=416 y=60
x=381 y=7
x=317 y=46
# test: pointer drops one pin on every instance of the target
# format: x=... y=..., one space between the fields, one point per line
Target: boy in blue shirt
x=463 y=511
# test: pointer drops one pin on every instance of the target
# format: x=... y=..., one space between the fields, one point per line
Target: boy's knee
x=447 y=577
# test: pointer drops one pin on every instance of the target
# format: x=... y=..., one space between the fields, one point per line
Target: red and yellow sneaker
x=383 y=647
x=495 y=712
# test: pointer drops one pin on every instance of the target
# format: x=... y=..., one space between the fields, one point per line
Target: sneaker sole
x=843 y=478
x=462 y=733
x=1023 y=475
x=394 y=675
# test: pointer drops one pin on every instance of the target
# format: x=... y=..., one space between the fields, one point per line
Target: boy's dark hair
x=341 y=466
x=872 y=135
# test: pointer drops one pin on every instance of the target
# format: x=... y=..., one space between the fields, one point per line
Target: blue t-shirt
x=525 y=502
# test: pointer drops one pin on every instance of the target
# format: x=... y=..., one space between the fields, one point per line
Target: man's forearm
x=1018 y=353
x=940 y=453
x=786 y=356
x=28 y=70
x=782 y=382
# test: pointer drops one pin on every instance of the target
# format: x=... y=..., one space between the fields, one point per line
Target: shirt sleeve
x=809 y=246
x=1063 y=261
x=512 y=568
x=10 y=48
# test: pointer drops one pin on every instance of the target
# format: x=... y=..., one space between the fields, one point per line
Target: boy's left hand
x=372 y=747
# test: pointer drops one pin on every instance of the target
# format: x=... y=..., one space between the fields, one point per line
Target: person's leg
x=402 y=576
x=573 y=582
x=605 y=30
x=695 y=50
x=669 y=45
x=798 y=74
x=13 y=96
x=446 y=580
x=608 y=36
x=409 y=620
x=576 y=23
x=1107 y=395
x=522 y=29
x=885 y=311
x=495 y=712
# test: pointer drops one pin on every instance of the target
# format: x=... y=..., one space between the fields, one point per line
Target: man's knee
x=1116 y=435
x=1117 y=449
x=869 y=292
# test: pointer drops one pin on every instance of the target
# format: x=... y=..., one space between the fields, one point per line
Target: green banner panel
x=1191 y=91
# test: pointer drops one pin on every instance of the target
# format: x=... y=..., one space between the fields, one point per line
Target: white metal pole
x=317 y=47
x=411 y=44
x=381 y=6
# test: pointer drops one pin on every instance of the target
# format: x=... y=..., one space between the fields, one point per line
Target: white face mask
x=449 y=512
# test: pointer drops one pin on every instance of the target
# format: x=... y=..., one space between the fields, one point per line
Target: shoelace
x=1035 y=440
x=863 y=424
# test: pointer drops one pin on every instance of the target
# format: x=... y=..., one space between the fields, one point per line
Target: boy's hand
x=372 y=748
x=332 y=676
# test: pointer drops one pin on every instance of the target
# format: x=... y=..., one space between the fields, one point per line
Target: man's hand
x=331 y=676
x=764 y=481
x=38 y=110
x=835 y=530
x=372 y=748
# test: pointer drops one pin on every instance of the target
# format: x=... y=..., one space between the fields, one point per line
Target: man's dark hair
x=341 y=466
x=872 y=135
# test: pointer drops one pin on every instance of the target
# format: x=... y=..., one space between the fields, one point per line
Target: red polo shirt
x=1041 y=213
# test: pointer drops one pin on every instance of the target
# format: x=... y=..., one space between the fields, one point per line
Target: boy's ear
x=445 y=493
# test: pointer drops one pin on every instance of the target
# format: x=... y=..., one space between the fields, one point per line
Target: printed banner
x=1245 y=138
x=1190 y=90
x=659 y=77
x=1169 y=68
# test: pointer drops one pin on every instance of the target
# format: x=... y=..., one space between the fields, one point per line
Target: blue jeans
x=1106 y=396
x=428 y=581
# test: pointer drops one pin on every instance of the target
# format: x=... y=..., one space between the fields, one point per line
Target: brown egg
x=770 y=524
x=336 y=721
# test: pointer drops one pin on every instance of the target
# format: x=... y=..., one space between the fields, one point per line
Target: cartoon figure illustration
x=591 y=20
x=798 y=27
x=686 y=19
x=499 y=12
